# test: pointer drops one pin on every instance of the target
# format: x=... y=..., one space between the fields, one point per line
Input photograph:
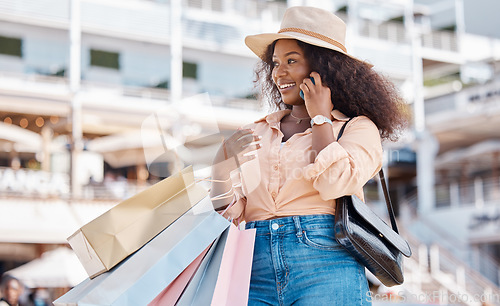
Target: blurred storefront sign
x=484 y=226
x=33 y=182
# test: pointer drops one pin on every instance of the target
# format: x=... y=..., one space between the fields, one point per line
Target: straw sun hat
x=308 y=24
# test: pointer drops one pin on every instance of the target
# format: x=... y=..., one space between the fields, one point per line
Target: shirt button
x=275 y=226
x=273 y=194
x=275 y=167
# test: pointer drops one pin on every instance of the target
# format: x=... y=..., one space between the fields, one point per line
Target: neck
x=300 y=111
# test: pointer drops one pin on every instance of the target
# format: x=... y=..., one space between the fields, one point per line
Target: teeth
x=286 y=85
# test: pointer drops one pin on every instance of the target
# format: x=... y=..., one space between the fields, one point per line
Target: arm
x=221 y=190
x=231 y=155
x=339 y=168
x=344 y=167
x=318 y=102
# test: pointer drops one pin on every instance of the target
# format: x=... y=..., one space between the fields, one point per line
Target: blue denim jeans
x=297 y=261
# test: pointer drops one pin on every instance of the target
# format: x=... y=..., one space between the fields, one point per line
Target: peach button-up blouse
x=282 y=180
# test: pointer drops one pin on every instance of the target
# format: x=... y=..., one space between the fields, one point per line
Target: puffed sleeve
x=344 y=167
x=238 y=204
x=239 y=201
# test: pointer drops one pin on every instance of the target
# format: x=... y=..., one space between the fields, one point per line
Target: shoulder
x=354 y=123
x=363 y=128
x=359 y=121
x=363 y=121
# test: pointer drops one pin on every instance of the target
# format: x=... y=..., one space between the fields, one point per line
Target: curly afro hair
x=356 y=89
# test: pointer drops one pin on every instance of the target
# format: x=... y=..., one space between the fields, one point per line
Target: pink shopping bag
x=233 y=281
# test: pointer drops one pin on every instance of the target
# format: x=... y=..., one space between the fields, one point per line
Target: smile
x=283 y=86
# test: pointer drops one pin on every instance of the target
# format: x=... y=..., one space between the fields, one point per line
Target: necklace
x=299 y=120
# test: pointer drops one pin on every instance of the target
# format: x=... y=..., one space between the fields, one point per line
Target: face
x=290 y=68
x=12 y=292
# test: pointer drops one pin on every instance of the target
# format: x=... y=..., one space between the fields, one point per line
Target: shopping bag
x=233 y=281
x=122 y=230
x=223 y=278
x=138 y=279
x=170 y=295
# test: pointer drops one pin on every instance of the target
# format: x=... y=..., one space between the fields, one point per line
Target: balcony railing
x=225 y=23
x=477 y=192
x=391 y=31
x=467 y=100
x=59 y=86
x=441 y=40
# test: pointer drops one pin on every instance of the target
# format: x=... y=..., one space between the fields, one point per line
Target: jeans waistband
x=292 y=224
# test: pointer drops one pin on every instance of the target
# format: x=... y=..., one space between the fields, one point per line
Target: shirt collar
x=277 y=116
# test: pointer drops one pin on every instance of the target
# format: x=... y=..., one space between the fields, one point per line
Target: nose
x=279 y=71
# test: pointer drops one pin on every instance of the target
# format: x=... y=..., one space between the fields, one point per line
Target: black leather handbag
x=369 y=239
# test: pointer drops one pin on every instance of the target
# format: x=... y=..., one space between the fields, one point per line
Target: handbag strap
x=388 y=201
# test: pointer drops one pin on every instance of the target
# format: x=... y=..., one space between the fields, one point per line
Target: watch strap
x=325 y=120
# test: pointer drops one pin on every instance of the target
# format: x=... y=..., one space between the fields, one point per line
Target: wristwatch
x=319 y=120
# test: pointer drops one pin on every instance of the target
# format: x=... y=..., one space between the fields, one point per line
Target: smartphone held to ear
x=302 y=93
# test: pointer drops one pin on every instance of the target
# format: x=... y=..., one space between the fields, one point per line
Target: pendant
x=299 y=120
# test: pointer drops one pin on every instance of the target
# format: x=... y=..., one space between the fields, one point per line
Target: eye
x=291 y=61
x=275 y=64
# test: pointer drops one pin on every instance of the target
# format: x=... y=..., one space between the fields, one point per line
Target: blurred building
x=73 y=110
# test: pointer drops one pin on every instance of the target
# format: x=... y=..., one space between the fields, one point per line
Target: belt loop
x=250 y=225
x=298 y=228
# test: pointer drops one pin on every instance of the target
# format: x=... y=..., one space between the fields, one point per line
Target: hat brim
x=258 y=43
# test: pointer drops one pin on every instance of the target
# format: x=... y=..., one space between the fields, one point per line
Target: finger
x=316 y=77
x=304 y=88
x=232 y=141
x=251 y=147
x=248 y=139
x=246 y=158
x=308 y=82
x=243 y=147
x=239 y=133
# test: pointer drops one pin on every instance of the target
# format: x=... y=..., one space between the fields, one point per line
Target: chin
x=291 y=103
x=297 y=101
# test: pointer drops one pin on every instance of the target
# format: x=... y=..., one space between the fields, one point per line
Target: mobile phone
x=301 y=93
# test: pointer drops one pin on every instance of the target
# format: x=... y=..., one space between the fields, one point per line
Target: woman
x=282 y=173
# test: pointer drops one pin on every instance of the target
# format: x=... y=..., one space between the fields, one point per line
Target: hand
x=240 y=146
x=317 y=97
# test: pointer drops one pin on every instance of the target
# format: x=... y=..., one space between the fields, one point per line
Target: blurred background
x=78 y=78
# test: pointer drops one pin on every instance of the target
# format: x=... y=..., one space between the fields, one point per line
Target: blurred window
x=11 y=46
x=105 y=59
x=189 y=70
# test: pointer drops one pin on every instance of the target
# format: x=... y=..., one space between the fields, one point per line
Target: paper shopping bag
x=122 y=230
x=200 y=289
x=142 y=276
x=170 y=295
x=233 y=281
x=223 y=278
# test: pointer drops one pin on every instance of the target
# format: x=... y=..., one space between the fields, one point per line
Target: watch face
x=319 y=120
